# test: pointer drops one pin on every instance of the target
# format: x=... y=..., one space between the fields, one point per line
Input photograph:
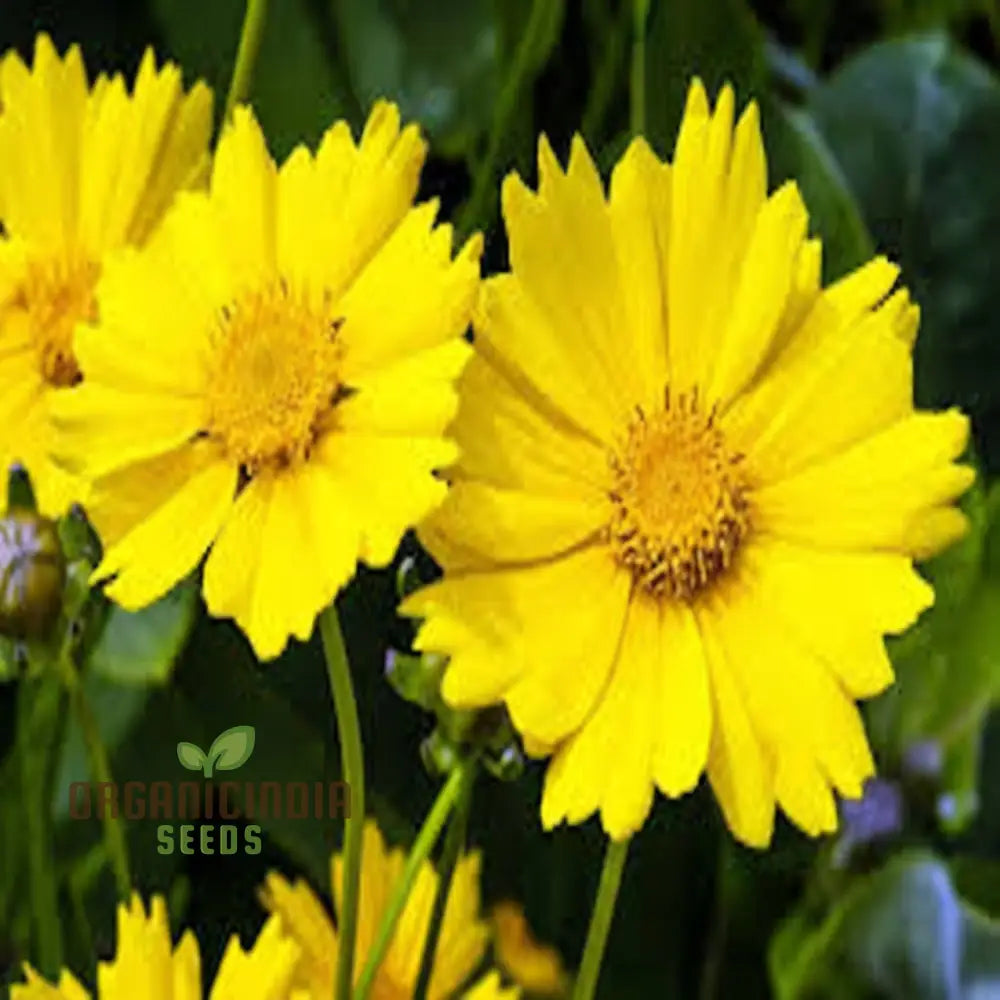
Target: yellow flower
x=691 y=488
x=271 y=377
x=85 y=172
x=536 y=967
x=146 y=967
x=459 y=950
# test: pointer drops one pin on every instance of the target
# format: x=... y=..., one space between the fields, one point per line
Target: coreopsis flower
x=147 y=967
x=691 y=489
x=85 y=173
x=271 y=378
x=460 y=946
x=535 y=967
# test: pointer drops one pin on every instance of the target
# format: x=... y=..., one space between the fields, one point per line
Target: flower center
x=56 y=295
x=274 y=378
x=679 y=499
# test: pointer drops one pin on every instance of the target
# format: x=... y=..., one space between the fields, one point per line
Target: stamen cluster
x=679 y=499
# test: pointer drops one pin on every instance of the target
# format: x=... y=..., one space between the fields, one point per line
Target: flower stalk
x=637 y=77
x=246 y=55
x=100 y=771
x=600 y=919
x=450 y=794
x=352 y=756
x=39 y=712
x=454 y=842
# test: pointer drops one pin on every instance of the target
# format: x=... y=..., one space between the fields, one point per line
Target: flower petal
x=163 y=548
x=684 y=716
x=607 y=763
x=289 y=545
x=877 y=494
x=739 y=769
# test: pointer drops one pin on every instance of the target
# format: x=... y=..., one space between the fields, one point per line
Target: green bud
x=32 y=574
x=20 y=493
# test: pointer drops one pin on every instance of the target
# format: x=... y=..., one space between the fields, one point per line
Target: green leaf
x=191 y=756
x=296 y=90
x=141 y=647
x=719 y=42
x=232 y=748
x=438 y=62
x=902 y=933
x=915 y=125
x=796 y=150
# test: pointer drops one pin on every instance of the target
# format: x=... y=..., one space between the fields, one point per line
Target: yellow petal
x=683 y=715
x=101 y=429
x=640 y=223
x=759 y=299
x=621 y=728
x=36 y=988
x=305 y=920
x=289 y=544
x=740 y=772
x=187 y=969
x=840 y=604
x=505 y=440
x=414 y=396
x=244 y=186
x=163 y=548
x=410 y=297
x=838 y=353
x=484 y=526
x=793 y=701
x=508 y=636
x=266 y=972
x=876 y=494
x=367 y=190
x=491 y=988
x=388 y=481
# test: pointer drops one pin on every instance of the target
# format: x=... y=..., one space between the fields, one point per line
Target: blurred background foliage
x=887 y=112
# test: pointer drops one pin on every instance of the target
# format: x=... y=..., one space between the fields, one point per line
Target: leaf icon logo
x=229 y=750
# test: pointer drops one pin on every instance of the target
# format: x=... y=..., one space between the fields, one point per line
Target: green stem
x=606 y=77
x=454 y=842
x=419 y=853
x=600 y=919
x=100 y=772
x=338 y=669
x=483 y=183
x=246 y=55
x=38 y=712
x=637 y=80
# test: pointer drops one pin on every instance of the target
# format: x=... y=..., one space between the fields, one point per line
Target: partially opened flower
x=271 y=378
x=146 y=966
x=85 y=172
x=460 y=947
x=691 y=489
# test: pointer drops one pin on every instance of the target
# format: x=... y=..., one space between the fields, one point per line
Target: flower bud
x=32 y=574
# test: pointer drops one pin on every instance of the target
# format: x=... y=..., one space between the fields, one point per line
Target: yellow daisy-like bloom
x=691 y=488
x=536 y=967
x=85 y=172
x=272 y=376
x=147 y=967
x=460 y=947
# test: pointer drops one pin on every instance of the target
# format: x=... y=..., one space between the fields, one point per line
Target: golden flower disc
x=56 y=294
x=274 y=377
x=680 y=506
